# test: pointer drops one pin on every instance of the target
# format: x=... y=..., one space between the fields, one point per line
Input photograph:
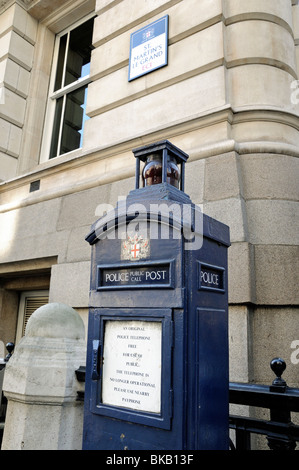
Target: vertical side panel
x=213 y=380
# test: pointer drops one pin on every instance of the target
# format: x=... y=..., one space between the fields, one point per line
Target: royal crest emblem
x=135 y=247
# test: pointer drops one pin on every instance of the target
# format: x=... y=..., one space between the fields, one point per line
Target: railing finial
x=278 y=366
x=10 y=347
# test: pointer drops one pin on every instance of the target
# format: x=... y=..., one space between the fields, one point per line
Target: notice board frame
x=164 y=417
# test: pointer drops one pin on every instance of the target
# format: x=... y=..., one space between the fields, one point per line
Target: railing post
x=243 y=441
x=279 y=385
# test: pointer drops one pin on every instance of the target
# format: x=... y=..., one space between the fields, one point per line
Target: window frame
x=53 y=96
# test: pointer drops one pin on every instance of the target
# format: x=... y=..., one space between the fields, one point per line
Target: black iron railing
x=281 y=400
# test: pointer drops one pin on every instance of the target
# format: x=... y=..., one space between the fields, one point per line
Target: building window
x=68 y=89
x=29 y=302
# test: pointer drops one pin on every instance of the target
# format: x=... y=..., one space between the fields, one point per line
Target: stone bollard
x=40 y=383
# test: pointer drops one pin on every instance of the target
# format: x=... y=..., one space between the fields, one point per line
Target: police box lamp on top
x=163 y=163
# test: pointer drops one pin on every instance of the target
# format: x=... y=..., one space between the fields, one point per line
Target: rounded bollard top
x=55 y=320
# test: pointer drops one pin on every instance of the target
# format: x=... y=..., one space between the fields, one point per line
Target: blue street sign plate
x=148 y=48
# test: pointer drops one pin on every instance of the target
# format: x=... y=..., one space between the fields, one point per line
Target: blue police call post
x=157 y=353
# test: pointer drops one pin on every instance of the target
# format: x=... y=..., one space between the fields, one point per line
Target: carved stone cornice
x=6 y=3
x=39 y=9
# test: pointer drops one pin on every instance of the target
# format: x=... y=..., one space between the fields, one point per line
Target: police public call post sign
x=148 y=48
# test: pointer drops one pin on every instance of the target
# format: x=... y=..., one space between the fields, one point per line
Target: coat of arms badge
x=135 y=247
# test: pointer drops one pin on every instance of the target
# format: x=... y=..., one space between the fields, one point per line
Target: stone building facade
x=228 y=97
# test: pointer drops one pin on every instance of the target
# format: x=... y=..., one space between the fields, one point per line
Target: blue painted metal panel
x=162 y=316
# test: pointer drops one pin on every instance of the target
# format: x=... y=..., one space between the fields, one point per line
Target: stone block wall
x=17 y=40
